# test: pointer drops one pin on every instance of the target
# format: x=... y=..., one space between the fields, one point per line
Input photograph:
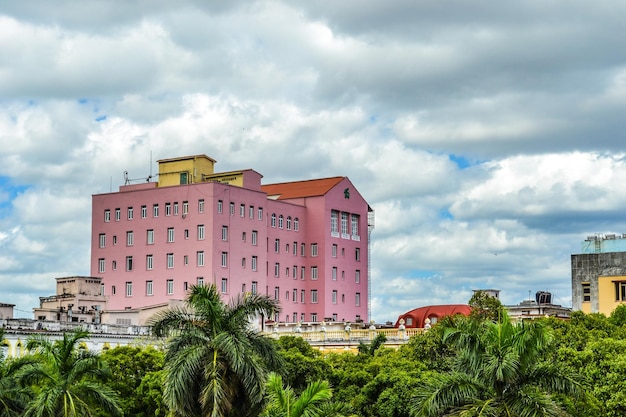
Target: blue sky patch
x=8 y=192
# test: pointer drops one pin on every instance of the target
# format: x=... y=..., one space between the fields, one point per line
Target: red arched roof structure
x=416 y=317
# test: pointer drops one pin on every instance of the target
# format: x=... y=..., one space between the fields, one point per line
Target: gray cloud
x=488 y=137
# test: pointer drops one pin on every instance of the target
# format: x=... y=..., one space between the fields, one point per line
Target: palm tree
x=12 y=397
x=67 y=381
x=499 y=370
x=216 y=364
x=314 y=400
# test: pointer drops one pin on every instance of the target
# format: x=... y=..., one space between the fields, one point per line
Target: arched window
x=296 y=224
x=273 y=220
x=280 y=221
x=288 y=222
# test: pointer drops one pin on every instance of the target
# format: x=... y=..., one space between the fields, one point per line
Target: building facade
x=599 y=274
x=304 y=243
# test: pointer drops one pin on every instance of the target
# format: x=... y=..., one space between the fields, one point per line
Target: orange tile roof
x=300 y=189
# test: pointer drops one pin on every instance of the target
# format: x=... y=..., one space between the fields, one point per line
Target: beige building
x=6 y=311
x=77 y=299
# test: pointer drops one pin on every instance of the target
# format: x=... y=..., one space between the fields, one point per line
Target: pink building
x=304 y=243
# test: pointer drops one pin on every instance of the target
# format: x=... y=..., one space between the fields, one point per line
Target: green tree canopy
x=216 y=364
x=67 y=381
x=499 y=370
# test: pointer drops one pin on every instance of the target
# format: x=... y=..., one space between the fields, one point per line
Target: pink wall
x=314 y=227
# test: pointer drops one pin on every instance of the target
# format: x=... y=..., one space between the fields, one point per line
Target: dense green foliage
x=66 y=380
x=216 y=364
x=376 y=382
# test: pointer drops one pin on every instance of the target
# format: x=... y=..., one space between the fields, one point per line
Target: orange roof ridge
x=300 y=189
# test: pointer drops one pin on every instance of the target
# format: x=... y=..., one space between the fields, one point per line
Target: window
x=118 y=214
x=224 y=285
x=114 y=240
x=107 y=216
x=302 y=247
x=130 y=213
x=170 y=234
x=273 y=220
x=296 y=224
x=334 y=297
x=288 y=222
x=243 y=236
x=254 y=237
x=150 y=236
x=334 y=251
x=280 y=221
x=276 y=293
x=302 y=273
x=232 y=209
x=200 y=232
x=113 y=290
x=144 y=212
x=253 y=288
x=183 y=178
x=302 y=296
x=168 y=209
x=101 y=265
x=295 y=295
x=314 y=296
x=357 y=254
x=224 y=233
x=224 y=259
x=260 y=213
x=200 y=258
x=129 y=289
x=344 y=224
x=175 y=208
x=170 y=260
x=276 y=269
x=186 y=260
x=355 y=226
x=149 y=262
x=114 y=265
x=251 y=212
x=586 y=291
x=201 y=206
x=313 y=249
x=334 y=316
x=169 y=286
x=185 y=286
x=149 y=289
x=129 y=263
x=276 y=245
x=186 y=233
x=334 y=218
x=301 y=317
x=243 y=262
x=155 y=210
x=102 y=239
x=130 y=238
x=620 y=290
x=314 y=317
x=254 y=262
x=357 y=276
x=313 y=272
x=185 y=208
x=242 y=210
x=295 y=272
x=220 y=206
x=200 y=281
x=357 y=299
x=287 y=272
x=243 y=288
x=295 y=248
x=334 y=273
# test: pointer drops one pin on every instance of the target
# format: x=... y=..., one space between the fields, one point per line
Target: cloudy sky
x=488 y=136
